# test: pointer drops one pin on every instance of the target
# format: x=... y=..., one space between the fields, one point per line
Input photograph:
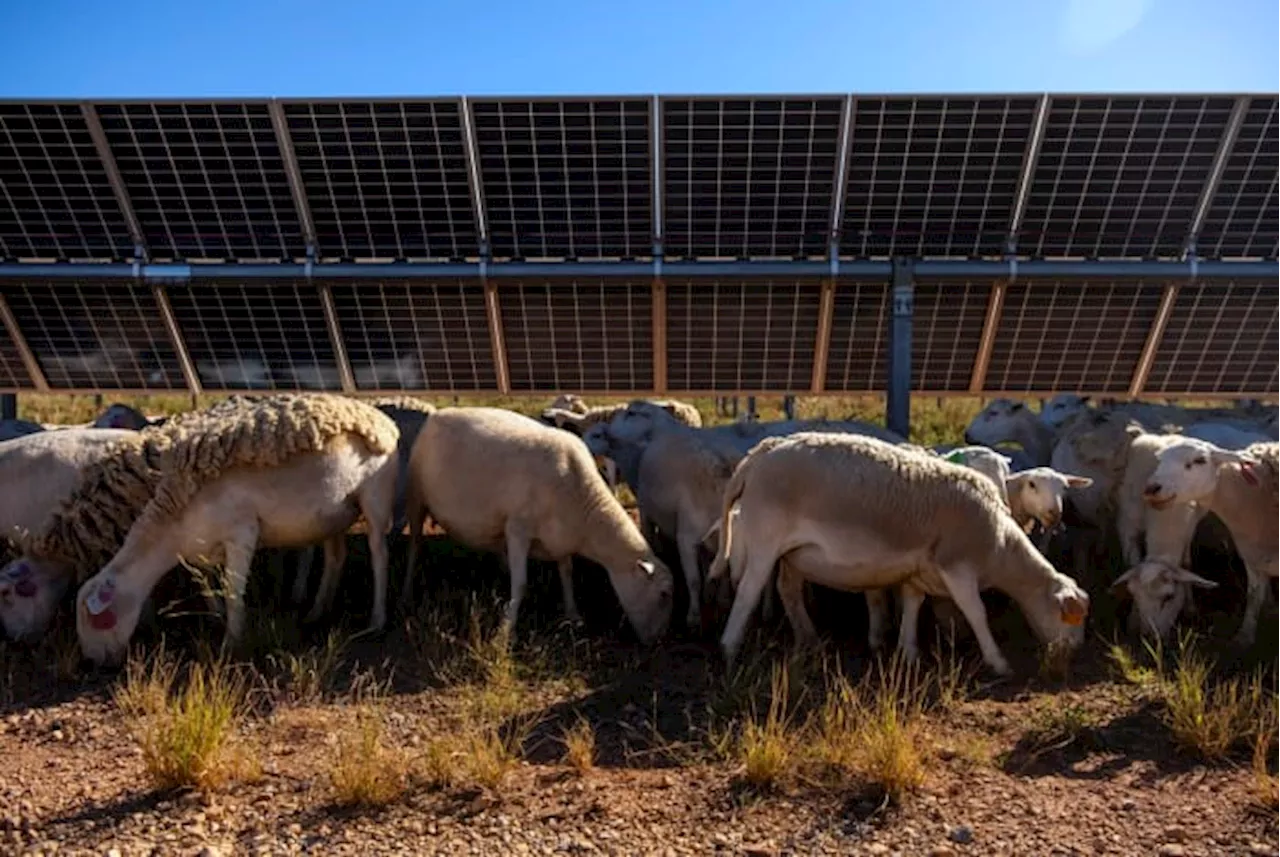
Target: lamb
x=502 y=482
x=42 y=471
x=900 y=519
x=1240 y=487
x=285 y=470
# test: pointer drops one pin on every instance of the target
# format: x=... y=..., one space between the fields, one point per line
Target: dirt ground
x=1032 y=765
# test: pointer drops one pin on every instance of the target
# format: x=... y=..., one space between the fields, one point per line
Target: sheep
x=502 y=482
x=1228 y=435
x=857 y=513
x=1240 y=487
x=991 y=464
x=1007 y=421
x=10 y=429
x=579 y=421
x=121 y=416
x=42 y=471
x=1062 y=408
x=569 y=402
x=286 y=470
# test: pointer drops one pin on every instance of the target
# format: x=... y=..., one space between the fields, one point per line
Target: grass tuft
x=365 y=772
x=1207 y=715
x=185 y=730
x=580 y=745
x=768 y=748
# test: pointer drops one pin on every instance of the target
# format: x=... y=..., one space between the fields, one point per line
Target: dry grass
x=186 y=731
x=768 y=748
x=365 y=771
x=1265 y=785
x=1207 y=715
x=580 y=745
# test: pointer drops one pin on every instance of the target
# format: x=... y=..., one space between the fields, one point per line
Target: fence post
x=898 y=398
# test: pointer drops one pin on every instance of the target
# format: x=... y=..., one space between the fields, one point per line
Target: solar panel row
x=599 y=178
x=598 y=335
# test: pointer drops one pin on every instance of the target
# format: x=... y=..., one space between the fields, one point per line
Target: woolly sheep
x=41 y=471
x=932 y=527
x=502 y=482
x=286 y=470
x=1240 y=487
x=1007 y=421
x=120 y=416
x=579 y=421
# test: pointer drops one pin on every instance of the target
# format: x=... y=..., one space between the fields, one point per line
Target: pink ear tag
x=1246 y=471
x=97 y=600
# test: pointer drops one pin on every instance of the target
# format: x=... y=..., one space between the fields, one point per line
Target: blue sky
x=128 y=48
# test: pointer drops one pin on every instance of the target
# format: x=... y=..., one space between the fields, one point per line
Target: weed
x=437 y=766
x=1265 y=785
x=580 y=745
x=311 y=673
x=1128 y=668
x=365 y=771
x=767 y=749
x=1056 y=725
x=185 y=731
x=488 y=755
x=1206 y=715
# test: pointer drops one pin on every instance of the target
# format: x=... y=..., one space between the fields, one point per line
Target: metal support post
x=8 y=406
x=898 y=398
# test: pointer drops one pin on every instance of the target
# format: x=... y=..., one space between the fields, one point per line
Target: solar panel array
x=594 y=182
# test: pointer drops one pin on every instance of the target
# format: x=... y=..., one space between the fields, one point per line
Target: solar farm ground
x=582 y=741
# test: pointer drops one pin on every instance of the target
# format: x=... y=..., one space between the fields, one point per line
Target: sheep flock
x=1091 y=502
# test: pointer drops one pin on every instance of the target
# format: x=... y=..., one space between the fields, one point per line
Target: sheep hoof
x=1001 y=668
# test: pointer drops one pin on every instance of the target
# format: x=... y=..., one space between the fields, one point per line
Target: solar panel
x=103 y=335
x=1120 y=176
x=1220 y=338
x=385 y=180
x=55 y=198
x=1060 y=336
x=13 y=372
x=933 y=177
x=946 y=332
x=749 y=177
x=566 y=179
x=416 y=335
x=859 y=337
x=741 y=335
x=578 y=335
x=1243 y=218
x=256 y=335
x=206 y=180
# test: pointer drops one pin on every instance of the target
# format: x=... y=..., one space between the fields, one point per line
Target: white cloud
x=1092 y=24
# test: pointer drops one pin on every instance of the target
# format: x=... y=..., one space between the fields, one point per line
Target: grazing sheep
x=856 y=513
x=1240 y=487
x=579 y=422
x=284 y=471
x=991 y=464
x=10 y=429
x=1007 y=421
x=502 y=482
x=41 y=471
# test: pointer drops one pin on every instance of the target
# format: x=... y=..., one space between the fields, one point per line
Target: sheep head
x=1187 y=472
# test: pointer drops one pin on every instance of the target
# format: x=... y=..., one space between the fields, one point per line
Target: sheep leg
x=415 y=514
x=239 y=556
x=1254 y=599
x=791 y=593
x=687 y=543
x=335 y=554
x=877 y=611
x=518 y=564
x=302 y=575
x=1129 y=524
x=962 y=583
x=908 y=631
x=571 y=613
x=752 y=584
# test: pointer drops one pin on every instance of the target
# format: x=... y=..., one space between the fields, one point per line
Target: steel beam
x=995 y=303
x=898 y=397
x=473 y=177
x=345 y=375
x=822 y=342
x=842 y=170
x=176 y=339
x=8 y=406
x=659 y=301
x=1210 y=189
x=1190 y=269
x=1145 y=360
x=494 y=313
x=34 y=372
x=656 y=178
x=1027 y=173
x=99 y=137
x=284 y=141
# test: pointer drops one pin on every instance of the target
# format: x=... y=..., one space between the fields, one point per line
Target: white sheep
x=856 y=513
x=499 y=481
x=1007 y=421
x=41 y=471
x=285 y=470
x=1240 y=487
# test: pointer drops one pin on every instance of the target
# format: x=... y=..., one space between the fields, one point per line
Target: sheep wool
x=92 y=523
x=404 y=403
x=1269 y=456
x=263 y=433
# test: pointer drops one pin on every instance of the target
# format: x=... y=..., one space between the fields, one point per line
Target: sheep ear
x=1079 y=481
x=711 y=532
x=647 y=567
x=1183 y=575
x=1119 y=583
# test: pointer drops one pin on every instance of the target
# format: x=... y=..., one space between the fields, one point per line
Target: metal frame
x=285 y=142
x=493 y=311
x=1210 y=189
x=99 y=137
x=898 y=387
x=1029 y=161
x=176 y=338
x=1147 y=358
x=659 y=301
x=34 y=372
x=995 y=305
x=822 y=343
